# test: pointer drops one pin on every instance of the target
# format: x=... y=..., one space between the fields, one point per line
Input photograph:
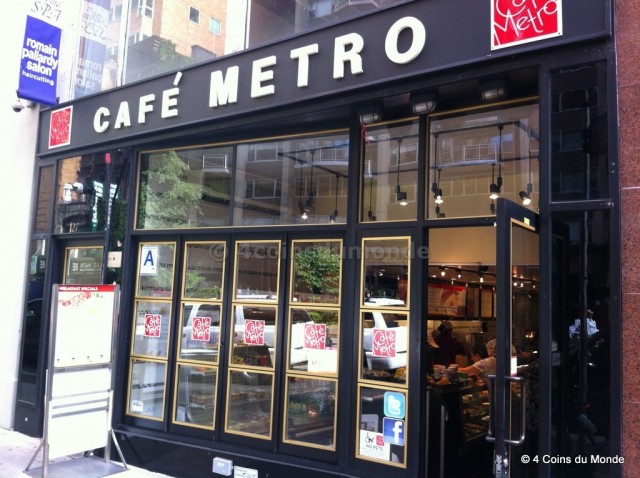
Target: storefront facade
x=289 y=225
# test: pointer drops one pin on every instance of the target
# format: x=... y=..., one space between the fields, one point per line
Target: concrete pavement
x=16 y=451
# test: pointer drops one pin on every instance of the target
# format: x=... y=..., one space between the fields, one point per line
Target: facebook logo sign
x=394 y=404
x=393 y=431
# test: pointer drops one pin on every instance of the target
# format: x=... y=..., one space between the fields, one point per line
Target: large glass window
x=81 y=198
x=151 y=330
x=252 y=336
x=199 y=341
x=480 y=156
x=580 y=160
x=389 y=187
x=313 y=345
x=294 y=181
x=120 y=47
x=384 y=325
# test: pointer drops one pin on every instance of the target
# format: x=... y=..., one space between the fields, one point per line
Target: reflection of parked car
x=199 y=349
x=382 y=358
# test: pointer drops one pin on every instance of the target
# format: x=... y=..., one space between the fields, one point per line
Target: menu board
x=448 y=300
x=84 y=323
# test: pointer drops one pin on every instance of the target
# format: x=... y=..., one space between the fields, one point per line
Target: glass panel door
x=514 y=390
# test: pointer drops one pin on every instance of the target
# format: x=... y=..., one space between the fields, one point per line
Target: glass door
x=514 y=387
x=482 y=325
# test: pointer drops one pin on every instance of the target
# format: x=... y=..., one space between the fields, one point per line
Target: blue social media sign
x=393 y=431
x=394 y=404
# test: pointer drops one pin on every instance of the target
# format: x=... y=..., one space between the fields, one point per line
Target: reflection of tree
x=198 y=286
x=165 y=196
x=317 y=270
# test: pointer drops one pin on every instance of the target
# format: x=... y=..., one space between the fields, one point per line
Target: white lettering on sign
x=260 y=75
x=347 y=50
x=302 y=55
x=224 y=90
x=224 y=84
x=417 y=44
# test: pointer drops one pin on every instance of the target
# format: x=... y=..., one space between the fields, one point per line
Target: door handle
x=523 y=412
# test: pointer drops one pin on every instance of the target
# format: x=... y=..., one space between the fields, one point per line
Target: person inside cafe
x=449 y=347
x=484 y=361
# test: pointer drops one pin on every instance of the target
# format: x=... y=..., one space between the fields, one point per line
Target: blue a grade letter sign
x=39 y=64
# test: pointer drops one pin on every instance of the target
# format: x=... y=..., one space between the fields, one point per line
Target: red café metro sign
x=521 y=21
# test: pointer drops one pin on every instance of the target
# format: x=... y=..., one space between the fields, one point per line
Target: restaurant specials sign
x=514 y=22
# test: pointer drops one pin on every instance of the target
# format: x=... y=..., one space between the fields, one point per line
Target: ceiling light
x=423 y=103
x=525 y=197
x=369 y=114
x=493 y=90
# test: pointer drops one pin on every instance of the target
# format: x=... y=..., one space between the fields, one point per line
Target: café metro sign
x=514 y=22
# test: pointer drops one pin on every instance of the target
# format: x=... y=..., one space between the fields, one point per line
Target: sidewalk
x=16 y=451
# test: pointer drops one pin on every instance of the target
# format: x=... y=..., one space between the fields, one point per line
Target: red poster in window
x=60 y=127
x=384 y=343
x=521 y=21
x=315 y=336
x=152 y=323
x=254 y=332
x=201 y=329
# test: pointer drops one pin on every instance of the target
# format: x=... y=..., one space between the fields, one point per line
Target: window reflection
x=196 y=395
x=477 y=157
x=124 y=45
x=316 y=272
x=314 y=340
x=310 y=412
x=294 y=181
x=151 y=328
x=389 y=173
x=253 y=336
x=386 y=272
x=257 y=267
x=83 y=265
x=81 y=197
x=200 y=340
x=250 y=403
x=155 y=270
x=147 y=389
x=204 y=268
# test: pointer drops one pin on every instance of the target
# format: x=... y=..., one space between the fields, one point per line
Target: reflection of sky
x=235 y=31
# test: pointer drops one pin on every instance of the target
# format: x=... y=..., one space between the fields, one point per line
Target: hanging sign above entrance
x=522 y=21
x=39 y=62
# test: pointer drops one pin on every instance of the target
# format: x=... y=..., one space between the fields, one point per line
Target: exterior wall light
x=424 y=103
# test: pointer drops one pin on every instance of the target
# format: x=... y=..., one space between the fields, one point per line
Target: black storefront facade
x=288 y=231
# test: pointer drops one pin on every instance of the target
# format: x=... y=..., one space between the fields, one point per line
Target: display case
x=467 y=407
x=474 y=406
x=250 y=404
x=195 y=405
x=310 y=417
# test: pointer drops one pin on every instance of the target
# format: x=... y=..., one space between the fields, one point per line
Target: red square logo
x=201 y=329
x=315 y=336
x=60 y=127
x=254 y=332
x=152 y=324
x=521 y=21
x=384 y=343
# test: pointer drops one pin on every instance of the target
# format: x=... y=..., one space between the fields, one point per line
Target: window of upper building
x=136 y=45
x=215 y=26
x=194 y=15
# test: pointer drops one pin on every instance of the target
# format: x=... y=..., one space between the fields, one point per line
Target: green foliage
x=317 y=270
x=166 y=197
